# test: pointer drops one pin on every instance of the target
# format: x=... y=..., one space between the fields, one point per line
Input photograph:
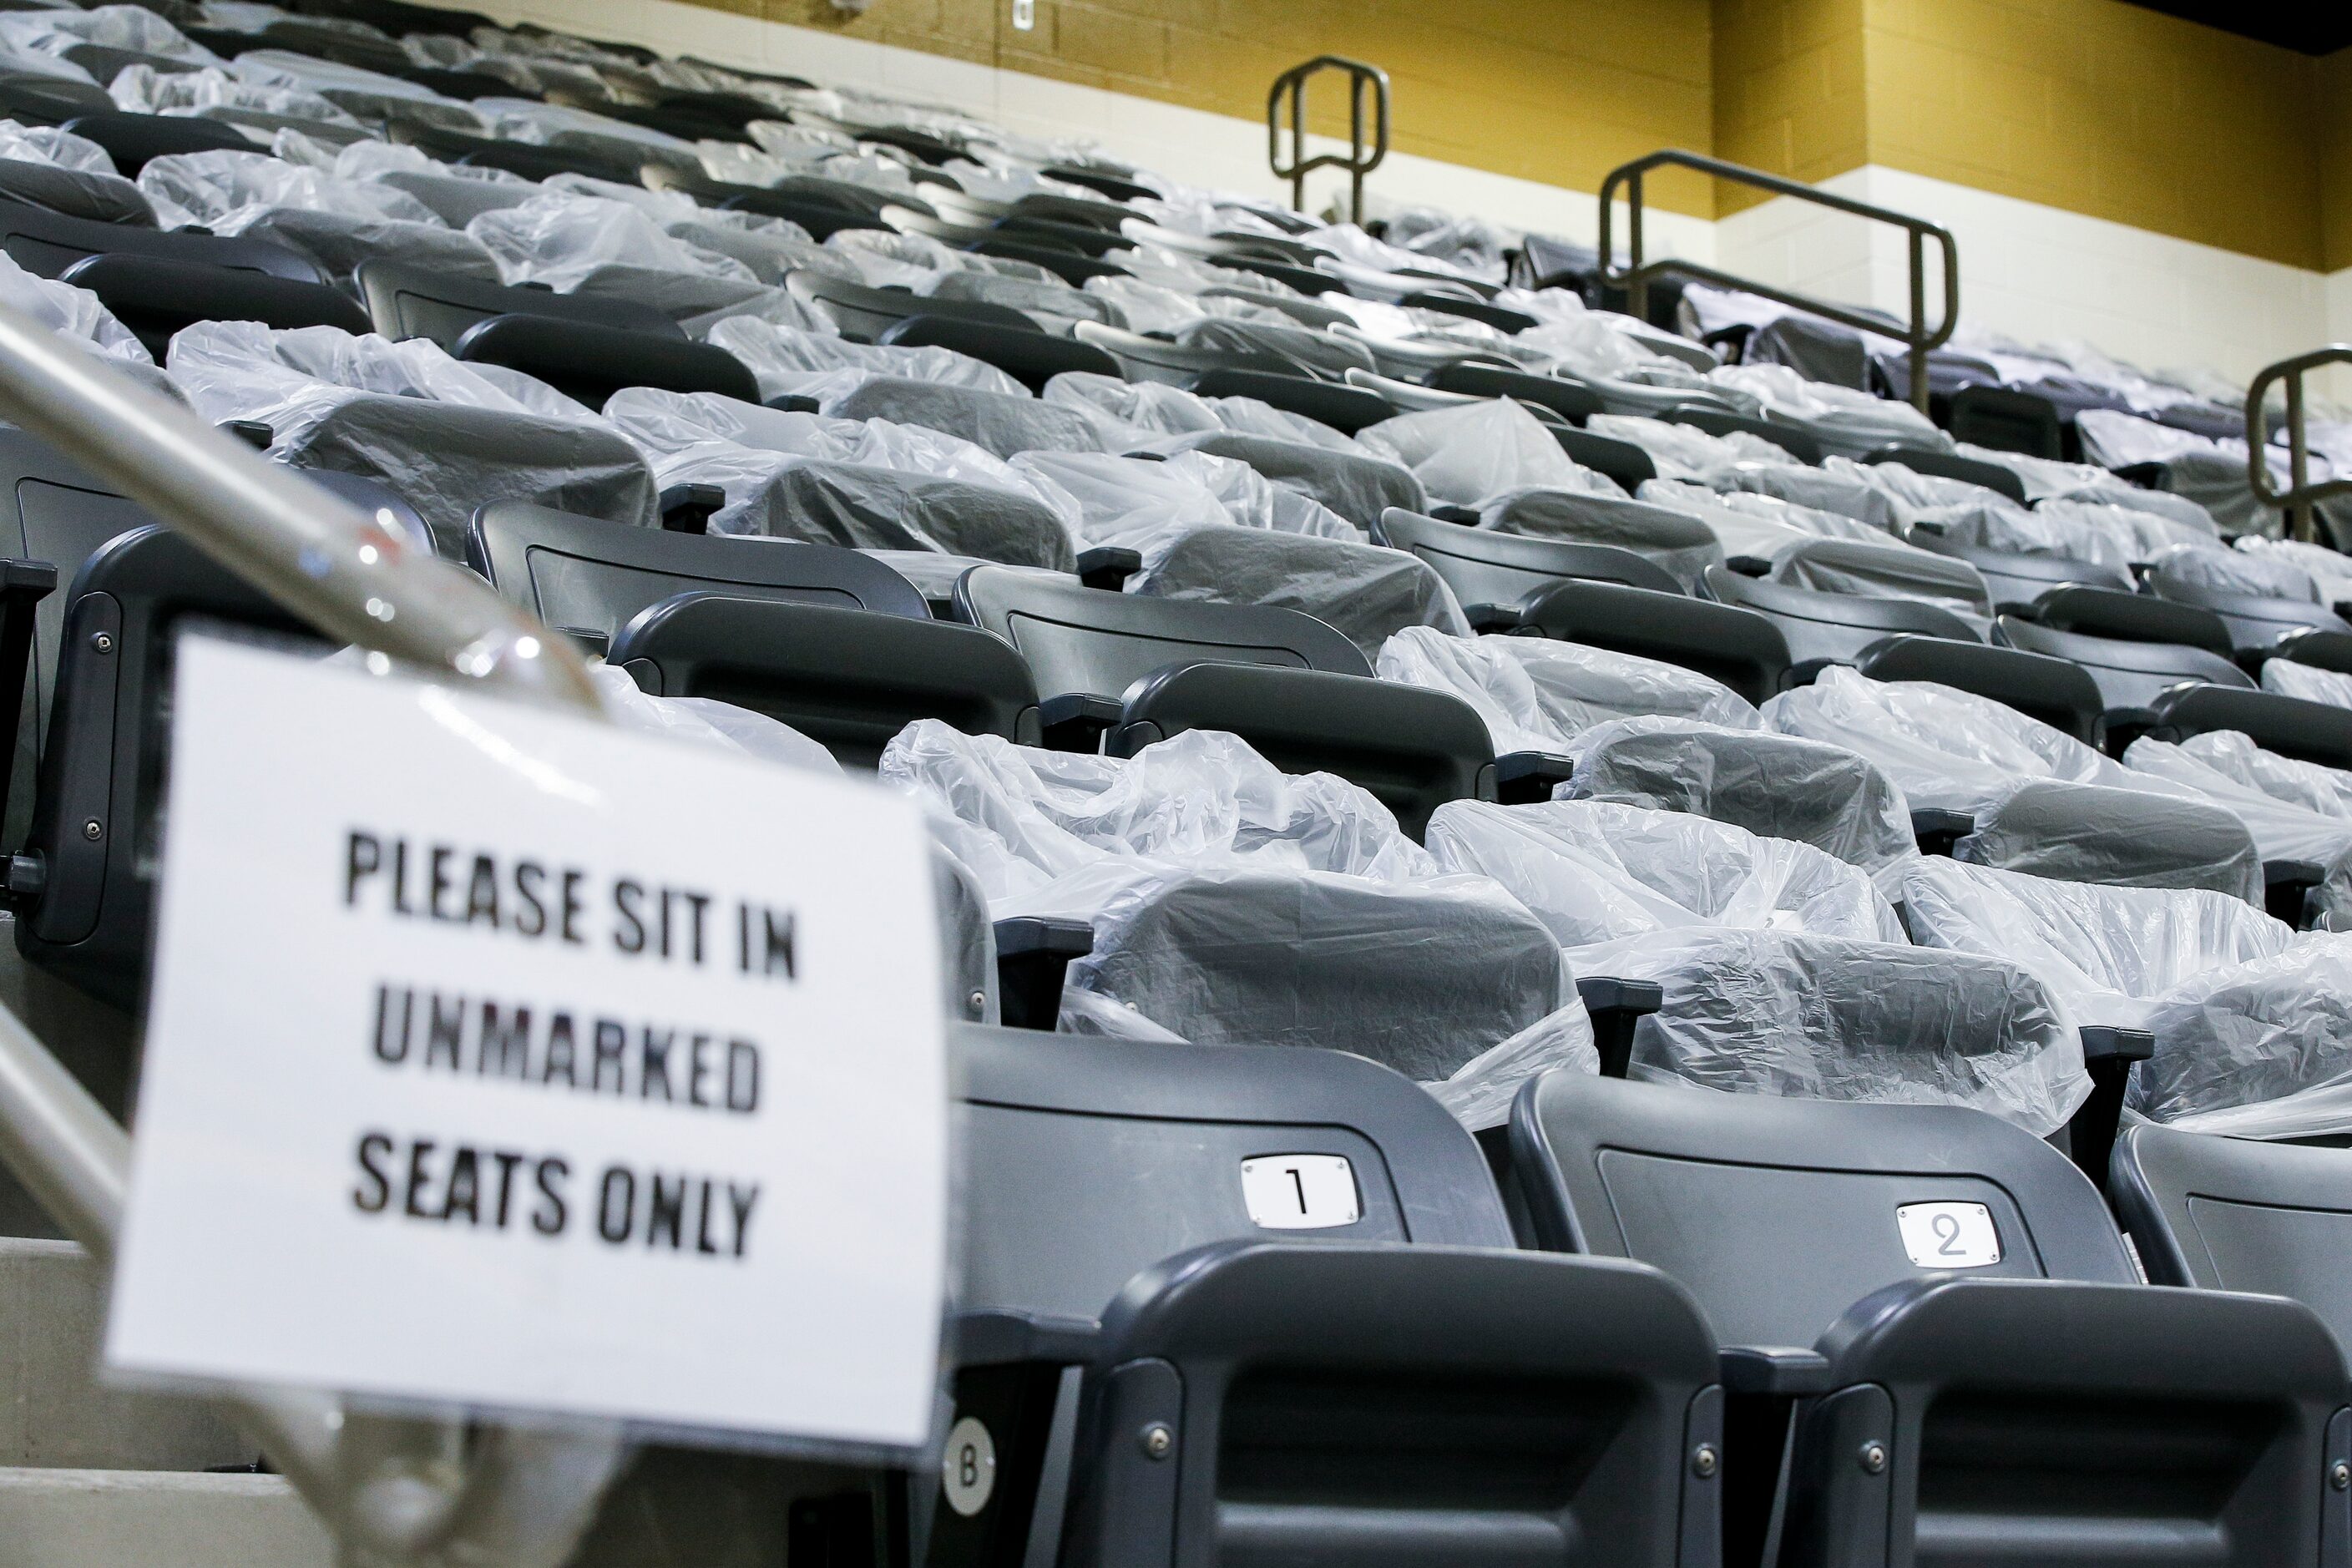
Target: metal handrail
x=1294 y=80
x=1636 y=275
x=394 y=1489
x=2299 y=500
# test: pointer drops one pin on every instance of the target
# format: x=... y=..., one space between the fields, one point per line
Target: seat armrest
x=2108 y=1052
x=23 y=586
x=1075 y=720
x=1032 y=956
x=1493 y=617
x=1938 y=830
x=1749 y=565
x=997 y=1338
x=1522 y=778
x=2105 y=1042
x=2287 y=886
x=1806 y=671
x=252 y=432
x=1616 y=1007
x=1109 y=566
x=793 y=403
x=1447 y=512
x=688 y=509
x=2119 y=726
x=1787 y=1371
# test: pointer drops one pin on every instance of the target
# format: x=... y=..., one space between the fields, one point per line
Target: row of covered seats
x=1147 y=538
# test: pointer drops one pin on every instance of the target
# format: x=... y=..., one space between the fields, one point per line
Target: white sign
x=500 y=1057
x=1949 y=1235
x=1300 y=1192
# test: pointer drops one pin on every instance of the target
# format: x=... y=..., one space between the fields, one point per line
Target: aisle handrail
x=1636 y=275
x=2300 y=499
x=1357 y=165
x=394 y=1489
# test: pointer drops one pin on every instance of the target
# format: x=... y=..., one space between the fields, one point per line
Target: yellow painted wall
x=2102 y=109
x=2335 y=159
x=1556 y=90
x=1790 y=91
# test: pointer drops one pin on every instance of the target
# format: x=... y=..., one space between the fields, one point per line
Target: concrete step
x=53 y=1411
x=155 y=1518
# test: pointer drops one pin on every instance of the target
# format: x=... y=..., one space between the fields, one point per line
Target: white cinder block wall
x=2034 y=272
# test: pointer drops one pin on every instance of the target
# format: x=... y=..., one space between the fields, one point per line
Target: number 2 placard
x=1949 y=1235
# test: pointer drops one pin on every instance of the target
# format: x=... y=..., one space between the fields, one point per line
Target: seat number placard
x=502 y=1058
x=1949 y=1235
x=1300 y=1192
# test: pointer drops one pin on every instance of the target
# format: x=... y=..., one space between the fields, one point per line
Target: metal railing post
x=1357 y=162
x=356 y=580
x=2300 y=500
x=1634 y=277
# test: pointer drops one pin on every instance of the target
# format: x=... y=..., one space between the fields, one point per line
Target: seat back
x=863 y=314
x=588 y=362
x=2056 y=692
x=1484 y=566
x=2129 y=674
x=1572 y=401
x=1142 y=358
x=2006 y=420
x=1780 y=1214
x=46 y=244
x=532 y=161
x=2292 y=726
x=406 y=302
x=97 y=825
x=1952 y=465
x=1837 y=628
x=1081 y=640
x=1239 y=1142
x=1346 y=409
x=1412 y=748
x=2233 y=1214
x=131 y=140
x=1736 y=646
x=849 y=680
x=1621 y=461
x=2134 y=617
x=2255 y=620
x=155 y=296
x=588 y=577
x=2015 y=578
x=1719 y=422
x=1028 y=355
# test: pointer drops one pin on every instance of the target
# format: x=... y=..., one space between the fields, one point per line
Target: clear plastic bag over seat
x=1775 y=785
x=1468 y=452
x=1595 y=871
x=1683 y=545
x=2291 y=780
x=2107 y=953
x=792 y=361
x=2282 y=829
x=1536 y=695
x=2288 y=678
x=449 y=436
x=1006 y=424
x=1364 y=591
x=1816 y=1017
x=1235 y=904
x=2260 y=1050
x=2040 y=801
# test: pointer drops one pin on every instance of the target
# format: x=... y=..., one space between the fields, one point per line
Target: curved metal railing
x=401 y=1490
x=2300 y=499
x=1636 y=275
x=1294 y=82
